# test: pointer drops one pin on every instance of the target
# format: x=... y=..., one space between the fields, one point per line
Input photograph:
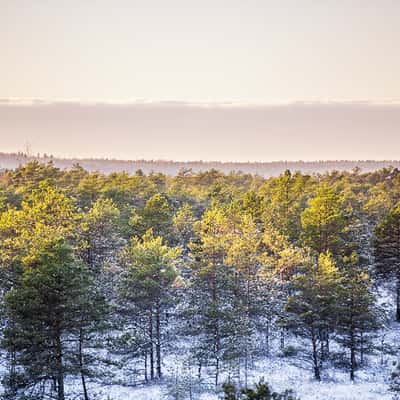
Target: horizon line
x=99 y=158
x=37 y=101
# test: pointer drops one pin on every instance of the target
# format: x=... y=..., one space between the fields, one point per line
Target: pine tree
x=183 y=222
x=45 y=214
x=44 y=311
x=323 y=222
x=262 y=391
x=311 y=308
x=230 y=391
x=157 y=214
x=243 y=255
x=93 y=322
x=146 y=289
x=209 y=311
x=284 y=203
x=357 y=313
x=386 y=245
x=280 y=262
x=100 y=235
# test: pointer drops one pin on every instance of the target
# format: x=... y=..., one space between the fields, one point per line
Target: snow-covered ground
x=280 y=372
x=371 y=383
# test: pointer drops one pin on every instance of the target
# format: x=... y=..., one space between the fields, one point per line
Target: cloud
x=15 y=101
x=239 y=131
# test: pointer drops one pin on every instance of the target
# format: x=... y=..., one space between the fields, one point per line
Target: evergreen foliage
x=126 y=269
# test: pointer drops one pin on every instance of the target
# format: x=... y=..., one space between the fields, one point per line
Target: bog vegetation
x=106 y=269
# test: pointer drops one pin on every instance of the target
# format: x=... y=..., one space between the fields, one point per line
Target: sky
x=210 y=79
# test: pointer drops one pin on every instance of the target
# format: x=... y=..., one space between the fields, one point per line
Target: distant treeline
x=265 y=169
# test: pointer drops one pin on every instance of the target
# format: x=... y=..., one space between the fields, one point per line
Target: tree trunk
x=352 y=352
x=13 y=388
x=316 y=364
x=145 y=368
x=324 y=344
x=282 y=339
x=85 y=393
x=151 y=346
x=248 y=304
x=216 y=371
x=216 y=324
x=321 y=344
x=245 y=367
x=199 y=370
x=352 y=361
x=361 y=348
x=398 y=300
x=158 y=341
x=327 y=344
x=59 y=369
x=81 y=366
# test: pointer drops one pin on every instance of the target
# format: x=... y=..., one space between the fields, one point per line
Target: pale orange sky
x=282 y=62
x=209 y=50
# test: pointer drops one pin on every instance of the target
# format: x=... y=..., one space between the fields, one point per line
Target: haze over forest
x=168 y=167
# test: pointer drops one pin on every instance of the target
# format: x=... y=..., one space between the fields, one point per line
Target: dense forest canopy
x=101 y=270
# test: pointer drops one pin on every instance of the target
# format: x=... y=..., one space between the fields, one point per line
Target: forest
x=191 y=283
